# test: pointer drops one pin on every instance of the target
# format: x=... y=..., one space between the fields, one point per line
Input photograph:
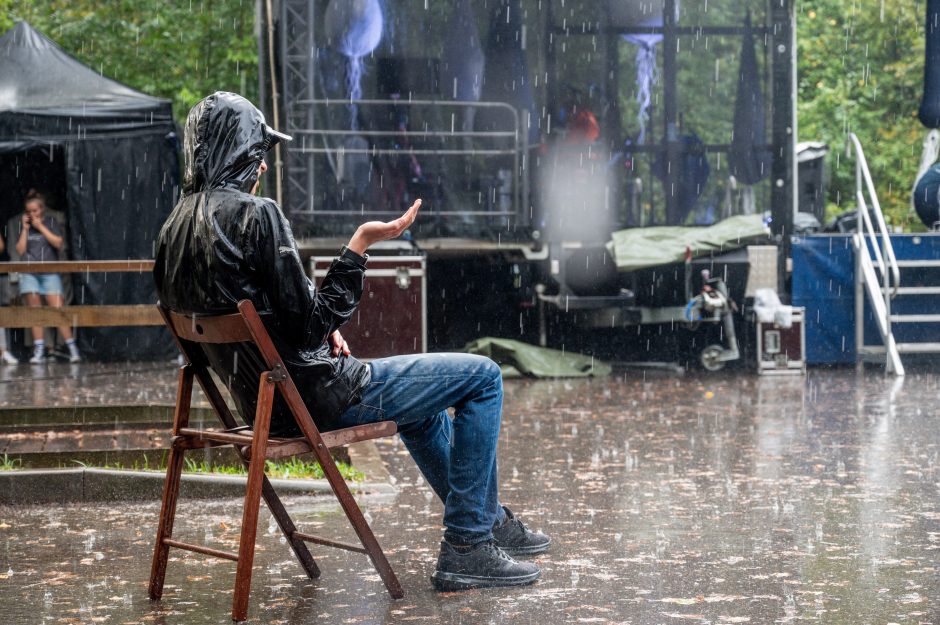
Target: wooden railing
x=80 y=316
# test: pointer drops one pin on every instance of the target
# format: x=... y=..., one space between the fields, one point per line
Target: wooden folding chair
x=254 y=446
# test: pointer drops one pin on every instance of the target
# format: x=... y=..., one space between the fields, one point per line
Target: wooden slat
x=285 y=448
x=80 y=316
x=187 y=443
x=218 y=436
x=348 y=436
x=225 y=555
x=229 y=328
x=79 y=266
x=310 y=538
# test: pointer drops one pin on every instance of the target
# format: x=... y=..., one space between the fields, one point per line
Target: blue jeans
x=457 y=456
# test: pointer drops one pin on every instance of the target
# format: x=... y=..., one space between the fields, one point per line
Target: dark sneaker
x=484 y=566
x=516 y=539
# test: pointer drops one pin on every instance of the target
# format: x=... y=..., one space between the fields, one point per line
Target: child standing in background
x=40 y=240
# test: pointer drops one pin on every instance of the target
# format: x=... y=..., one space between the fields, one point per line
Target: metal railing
x=876 y=267
x=515 y=142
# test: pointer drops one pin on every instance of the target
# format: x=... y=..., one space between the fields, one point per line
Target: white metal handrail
x=891 y=274
x=874 y=239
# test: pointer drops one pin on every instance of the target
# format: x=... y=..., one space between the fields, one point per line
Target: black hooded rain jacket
x=221 y=245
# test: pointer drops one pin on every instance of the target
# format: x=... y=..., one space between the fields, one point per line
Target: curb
x=35 y=486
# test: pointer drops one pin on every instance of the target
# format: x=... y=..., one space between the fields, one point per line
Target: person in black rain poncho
x=222 y=244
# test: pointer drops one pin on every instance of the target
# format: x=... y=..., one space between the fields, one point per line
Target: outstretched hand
x=374 y=231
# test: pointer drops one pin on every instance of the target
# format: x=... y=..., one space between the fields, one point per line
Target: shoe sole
x=455 y=582
x=531 y=550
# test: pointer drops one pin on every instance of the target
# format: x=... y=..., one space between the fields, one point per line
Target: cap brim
x=277 y=137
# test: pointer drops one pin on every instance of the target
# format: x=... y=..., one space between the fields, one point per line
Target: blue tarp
x=823 y=274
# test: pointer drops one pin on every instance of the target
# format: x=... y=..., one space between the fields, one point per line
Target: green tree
x=861 y=70
x=179 y=50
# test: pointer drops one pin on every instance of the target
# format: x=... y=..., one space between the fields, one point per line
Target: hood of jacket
x=225 y=141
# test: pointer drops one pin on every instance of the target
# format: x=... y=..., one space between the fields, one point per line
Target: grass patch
x=8 y=464
x=285 y=469
x=295 y=467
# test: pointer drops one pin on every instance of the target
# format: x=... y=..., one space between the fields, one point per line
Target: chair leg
x=288 y=528
x=171 y=485
x=338 y=484
x=161 y=552
x=359 y=523
x=246 y=545
x=267 y=491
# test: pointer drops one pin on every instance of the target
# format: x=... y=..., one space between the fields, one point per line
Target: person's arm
x=372 y=232
x=304 y=313
x=55 y=239
x=24 y=234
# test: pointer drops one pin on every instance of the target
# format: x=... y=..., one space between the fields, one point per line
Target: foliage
x=8 y=464
x=181 y=51
x=294 y=467
x=290 y=468
x=861 y=71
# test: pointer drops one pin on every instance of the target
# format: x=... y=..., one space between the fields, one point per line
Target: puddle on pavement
x=717 y=499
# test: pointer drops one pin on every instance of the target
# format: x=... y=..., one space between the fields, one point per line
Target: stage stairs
x=885 y=281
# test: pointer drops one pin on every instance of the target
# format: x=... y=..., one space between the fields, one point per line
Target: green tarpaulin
x=518 y=358
x=639 y=248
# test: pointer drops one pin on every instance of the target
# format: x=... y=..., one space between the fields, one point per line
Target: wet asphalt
x=725 y=498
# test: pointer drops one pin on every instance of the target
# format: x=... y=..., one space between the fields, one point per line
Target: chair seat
x=191 y=438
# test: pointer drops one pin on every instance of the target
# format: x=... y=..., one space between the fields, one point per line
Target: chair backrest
x=245 y=326
x=192 y=332
x=227 y=328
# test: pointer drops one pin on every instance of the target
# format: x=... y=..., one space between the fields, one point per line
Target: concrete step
x=88 y=415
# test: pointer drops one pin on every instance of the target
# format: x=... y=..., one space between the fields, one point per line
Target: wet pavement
x=671 y=499
x=57 y=385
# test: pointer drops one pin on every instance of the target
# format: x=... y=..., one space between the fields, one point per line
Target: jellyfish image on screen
x=641 y=13
x=355 y=29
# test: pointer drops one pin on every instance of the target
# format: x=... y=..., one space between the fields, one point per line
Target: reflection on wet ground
x=716 y=499
x=55 y=385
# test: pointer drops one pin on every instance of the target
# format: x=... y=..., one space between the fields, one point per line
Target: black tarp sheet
x=749 y=159
x=121 y=170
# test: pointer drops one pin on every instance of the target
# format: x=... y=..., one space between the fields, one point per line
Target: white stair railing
x=876 y=267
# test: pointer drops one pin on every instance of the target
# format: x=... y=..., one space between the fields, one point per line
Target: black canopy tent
x=110 y=155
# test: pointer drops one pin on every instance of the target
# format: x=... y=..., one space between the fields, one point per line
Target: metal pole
x=861 y=248
x=671 y=112
x=275 y=105
x=261 y=32
x=859 y=302
x=782 y=112
x=311 y=113
x=525 y=212
x=886 y=286
x=551 y=85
